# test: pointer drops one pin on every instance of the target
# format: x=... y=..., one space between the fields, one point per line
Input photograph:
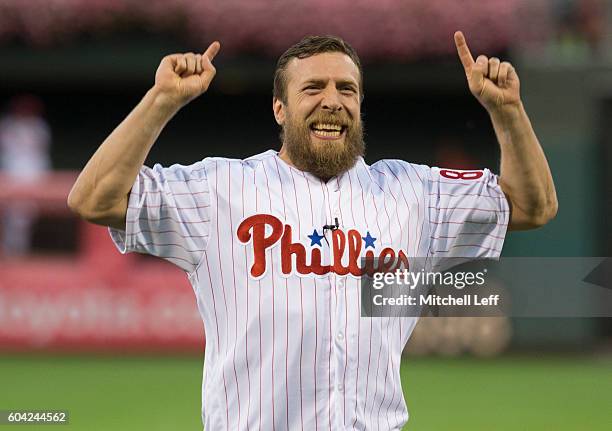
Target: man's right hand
x=100 y=194
x=180 y=78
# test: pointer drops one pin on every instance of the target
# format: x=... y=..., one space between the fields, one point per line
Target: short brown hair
x=307 y=47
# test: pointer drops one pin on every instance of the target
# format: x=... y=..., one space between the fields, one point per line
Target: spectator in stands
x=25 y=140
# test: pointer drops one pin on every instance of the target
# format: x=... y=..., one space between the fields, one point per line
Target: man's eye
x=311 y=88
x=348 y=90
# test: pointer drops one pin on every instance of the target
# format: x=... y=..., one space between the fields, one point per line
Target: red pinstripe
x=400 y=399
x=468 y=245
x=380 y=348
x=259 y=310
x=401 y=242
x=467 y=233
x=401 y=395
x=169 y=244
x=460 y=195
x=457 y=182
x=165 y=206
x=147 y=218
x=246 y=321
x=167 y=231
x=466 y=221
x=280 y=180
x=407 y=242
x=273 y=306
x=469 y=209
x=334 y=287
x=345 y=322
x=314 y=283
x=221 y=272
x=197 y=180
x=218 y=347
x=365 y=399
x=358 y=308
x=297 y=207
x=389 y=358
x=173 y=193
x=229 y=193
x=329 y=213
x=380 y=319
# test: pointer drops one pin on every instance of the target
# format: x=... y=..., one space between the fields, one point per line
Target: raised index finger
x=464 y=52
x=212 y=50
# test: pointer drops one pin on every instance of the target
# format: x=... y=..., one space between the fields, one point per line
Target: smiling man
x=273 y=244
x=319 y=107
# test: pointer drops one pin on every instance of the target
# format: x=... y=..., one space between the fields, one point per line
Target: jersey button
x=340 y=336
x=340 y=388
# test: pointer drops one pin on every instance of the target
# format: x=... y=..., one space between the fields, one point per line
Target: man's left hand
x=495 y=84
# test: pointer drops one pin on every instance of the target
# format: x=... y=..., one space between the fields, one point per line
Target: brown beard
x=323 y=159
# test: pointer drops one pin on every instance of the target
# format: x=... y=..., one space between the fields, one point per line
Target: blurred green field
x=163 y=393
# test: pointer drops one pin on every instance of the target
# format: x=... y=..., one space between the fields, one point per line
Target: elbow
x=535 y=215
x=80 y=207
x=544 y=213
x=531 y=207
x=75 y=203
x=554 y=209
x=545 y=217
x=83 y=207
x=97 y=211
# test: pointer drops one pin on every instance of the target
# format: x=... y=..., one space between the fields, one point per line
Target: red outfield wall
x=95 y=300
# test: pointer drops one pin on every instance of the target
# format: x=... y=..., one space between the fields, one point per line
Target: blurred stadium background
x=117 y=340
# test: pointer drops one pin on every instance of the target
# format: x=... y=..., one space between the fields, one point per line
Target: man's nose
x=331 y=100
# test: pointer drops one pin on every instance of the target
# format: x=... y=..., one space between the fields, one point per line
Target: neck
x=284 y=156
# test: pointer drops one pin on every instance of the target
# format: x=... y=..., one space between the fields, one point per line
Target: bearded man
x=287 y=347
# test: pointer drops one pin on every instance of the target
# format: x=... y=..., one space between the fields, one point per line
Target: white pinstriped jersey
x=286 y=348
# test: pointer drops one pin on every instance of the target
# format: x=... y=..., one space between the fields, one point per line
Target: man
x=271 y=244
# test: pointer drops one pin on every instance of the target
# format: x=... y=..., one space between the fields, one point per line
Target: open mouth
x=327 y=131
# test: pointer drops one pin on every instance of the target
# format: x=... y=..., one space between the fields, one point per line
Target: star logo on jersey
x=315 y=238
x=265 y=231
x=369 y=240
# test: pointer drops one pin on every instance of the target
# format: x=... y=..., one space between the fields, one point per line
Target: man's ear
x=279 y=111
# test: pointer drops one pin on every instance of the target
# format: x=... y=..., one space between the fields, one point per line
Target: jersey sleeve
x=168 y=215
x=468 y=216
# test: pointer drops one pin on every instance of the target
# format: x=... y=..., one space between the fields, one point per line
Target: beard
x=323 y=158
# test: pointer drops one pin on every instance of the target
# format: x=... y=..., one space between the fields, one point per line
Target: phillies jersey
x=279 y=294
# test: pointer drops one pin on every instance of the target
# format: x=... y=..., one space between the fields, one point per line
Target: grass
x=163 y=393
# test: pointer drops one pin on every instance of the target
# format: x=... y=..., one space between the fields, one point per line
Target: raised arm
x=100 y=193
x=525 y=176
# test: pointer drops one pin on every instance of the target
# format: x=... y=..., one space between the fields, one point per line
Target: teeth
x=328 y=126
x=334 y=134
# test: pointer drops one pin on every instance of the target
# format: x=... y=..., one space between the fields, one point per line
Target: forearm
x=101 y=190
x=525 y=175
